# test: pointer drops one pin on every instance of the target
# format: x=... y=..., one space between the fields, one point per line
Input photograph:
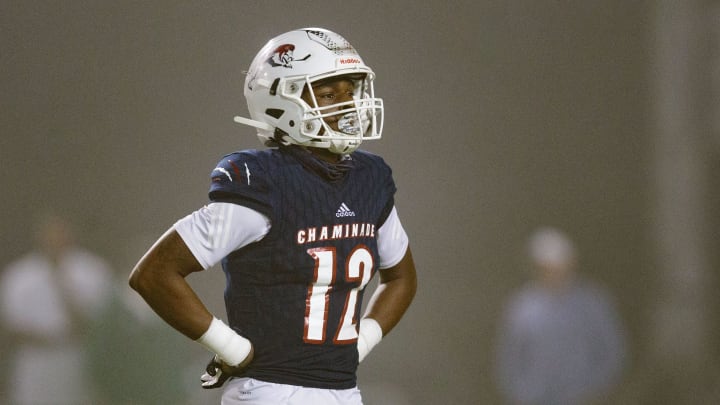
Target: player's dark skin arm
x=159 y=277
x=394 y=293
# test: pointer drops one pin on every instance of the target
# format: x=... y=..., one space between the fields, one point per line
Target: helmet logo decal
x=283 y=56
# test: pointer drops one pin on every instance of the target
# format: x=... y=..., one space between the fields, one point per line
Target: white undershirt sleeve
x=217 y=229
x=392 y=241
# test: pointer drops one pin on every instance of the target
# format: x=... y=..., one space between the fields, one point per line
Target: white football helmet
x=288 y=64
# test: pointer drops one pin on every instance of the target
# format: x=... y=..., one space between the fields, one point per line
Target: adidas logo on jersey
x=344 y=211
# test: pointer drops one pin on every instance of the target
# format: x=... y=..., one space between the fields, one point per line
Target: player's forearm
x=394 y=294
x=389 y=303
x=159 y=278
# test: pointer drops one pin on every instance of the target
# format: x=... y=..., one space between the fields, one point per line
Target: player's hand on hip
x=217 y=371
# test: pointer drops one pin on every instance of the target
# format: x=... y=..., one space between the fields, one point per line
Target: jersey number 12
x=358 y=268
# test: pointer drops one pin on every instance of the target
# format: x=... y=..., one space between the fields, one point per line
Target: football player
x=300 y=227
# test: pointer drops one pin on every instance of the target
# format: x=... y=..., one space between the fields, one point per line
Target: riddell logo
x=349 y=61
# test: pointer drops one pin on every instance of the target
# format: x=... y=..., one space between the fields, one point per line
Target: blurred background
x=596 y=117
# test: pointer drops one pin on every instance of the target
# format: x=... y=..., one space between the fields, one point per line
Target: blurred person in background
x=560 y=339
x=126 y=334
x=48 y=298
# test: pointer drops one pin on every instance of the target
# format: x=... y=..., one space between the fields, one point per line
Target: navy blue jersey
x=297 y=293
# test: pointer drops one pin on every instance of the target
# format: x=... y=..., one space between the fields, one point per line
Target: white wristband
x=370 y=334
x=225 y=342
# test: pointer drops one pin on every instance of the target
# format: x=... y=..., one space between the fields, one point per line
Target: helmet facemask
x=356 y=120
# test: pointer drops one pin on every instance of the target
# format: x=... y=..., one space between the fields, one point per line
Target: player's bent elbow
x=135 y=280
x=143 y=278
x=139 y=281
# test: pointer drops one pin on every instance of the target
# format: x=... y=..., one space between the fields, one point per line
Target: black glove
x=214 y=376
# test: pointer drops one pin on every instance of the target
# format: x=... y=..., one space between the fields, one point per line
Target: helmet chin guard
x=292 y=62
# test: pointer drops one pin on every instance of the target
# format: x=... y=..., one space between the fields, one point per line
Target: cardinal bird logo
x=283 y=56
